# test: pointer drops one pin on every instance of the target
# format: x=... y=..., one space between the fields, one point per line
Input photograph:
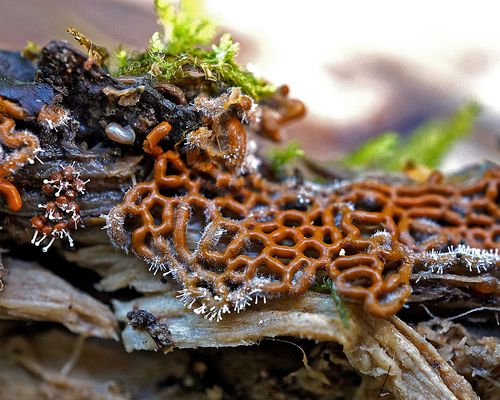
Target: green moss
x=327 y=286
x=374 y=150
x=281 y=157
x=184 y=46
x=425 y=146
x=184 y=27
x=340 y=307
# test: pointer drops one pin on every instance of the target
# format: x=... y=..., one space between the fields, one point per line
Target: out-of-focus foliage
x=282 y=156
x=425 y=146
x=184 y=46
x=185 y=27
x=374 y=151
x=31 y=51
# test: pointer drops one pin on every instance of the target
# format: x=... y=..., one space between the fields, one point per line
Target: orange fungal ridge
x=23 y=147
x=231 y=239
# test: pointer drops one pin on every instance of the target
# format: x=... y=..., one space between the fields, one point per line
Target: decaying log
x=388 y=350
x=33 y=293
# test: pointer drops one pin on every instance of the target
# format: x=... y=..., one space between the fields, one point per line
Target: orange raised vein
x=24 y=146
x=150 y=144
x=11 y=195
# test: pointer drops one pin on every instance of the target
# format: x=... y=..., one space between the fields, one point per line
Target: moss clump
x=183 y=47
x=425 y=146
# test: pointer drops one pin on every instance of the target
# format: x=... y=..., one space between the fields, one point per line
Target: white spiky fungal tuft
x=474 y=259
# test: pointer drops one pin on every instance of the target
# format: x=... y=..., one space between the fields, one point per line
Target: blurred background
x=361 y=67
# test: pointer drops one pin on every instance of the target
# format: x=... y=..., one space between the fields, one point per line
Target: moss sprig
x=282 y=156
x=183 y=47
x=327 y=286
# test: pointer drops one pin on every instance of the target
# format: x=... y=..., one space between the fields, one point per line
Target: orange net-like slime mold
x=231 y=240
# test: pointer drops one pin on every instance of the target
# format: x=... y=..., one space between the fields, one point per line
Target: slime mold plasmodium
x=231 y=239
x=206 y=208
